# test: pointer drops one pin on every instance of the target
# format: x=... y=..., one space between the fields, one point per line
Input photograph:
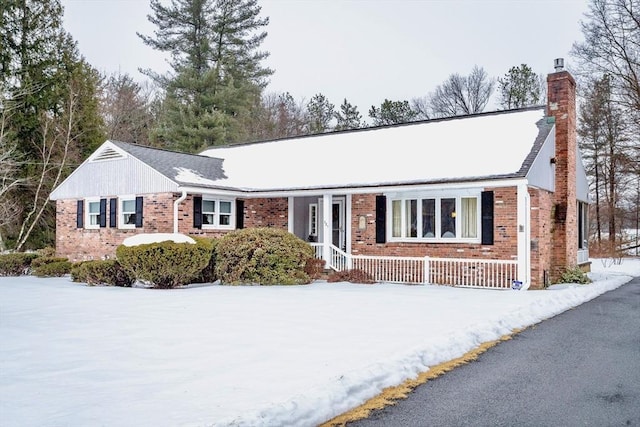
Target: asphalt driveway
x=580 y=368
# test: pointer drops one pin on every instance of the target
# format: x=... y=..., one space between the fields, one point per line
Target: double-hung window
x=436 y=218
x=217 y=213
x=93 y=214
x=128 y=212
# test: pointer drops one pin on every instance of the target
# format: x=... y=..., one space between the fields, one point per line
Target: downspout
x=524 y=235
x=175 y=210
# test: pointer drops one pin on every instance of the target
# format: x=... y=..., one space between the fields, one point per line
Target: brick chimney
x=561 y=105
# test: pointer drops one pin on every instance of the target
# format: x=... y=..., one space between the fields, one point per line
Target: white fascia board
x=248 y=194
x=512 y=182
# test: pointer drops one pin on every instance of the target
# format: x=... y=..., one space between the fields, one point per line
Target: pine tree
x=319 y=113
x=348 y=117
x=42 y=72
x=392 y=112
x=520 y=88
x=217 y=71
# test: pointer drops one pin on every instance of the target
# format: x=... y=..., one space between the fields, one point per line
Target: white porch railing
x=495 y=274
x=317 y=249
x=583 y=256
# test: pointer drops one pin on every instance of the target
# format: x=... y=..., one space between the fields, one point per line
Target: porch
x=470 y=273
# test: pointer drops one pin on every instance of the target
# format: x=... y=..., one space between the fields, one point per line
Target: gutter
x=175 y=210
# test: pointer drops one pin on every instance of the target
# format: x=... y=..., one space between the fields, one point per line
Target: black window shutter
x=381 y=220
x=487 y=217
x=113 y=213
x=80 y=214
x=103 y=213
x=197 y=212
x=239 y=214
x=139 y=212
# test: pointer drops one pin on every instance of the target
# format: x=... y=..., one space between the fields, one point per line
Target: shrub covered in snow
x=166 y=264
x=265 y=256
x=353 y=276
x=99 y=272
x=16 y=264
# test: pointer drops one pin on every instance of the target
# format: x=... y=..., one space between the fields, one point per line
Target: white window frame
x=88 y=215
x=457 y=195
x=217 y=213
x=121 y=223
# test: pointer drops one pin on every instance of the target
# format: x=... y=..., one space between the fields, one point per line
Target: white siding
x=113 y=177
x=542 y=172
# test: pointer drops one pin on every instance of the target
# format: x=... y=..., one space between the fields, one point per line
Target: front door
x=338 y=223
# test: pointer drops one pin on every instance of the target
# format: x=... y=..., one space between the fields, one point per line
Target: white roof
x=466 y=147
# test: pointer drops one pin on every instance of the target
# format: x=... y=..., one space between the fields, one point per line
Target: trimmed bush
x=353 y=276
x=574 y=275
x=166 y=264
x=208 y=274
x=98 y=272
x=265 y=256
x=53 y=269
x=16 y=264
x=42 y=260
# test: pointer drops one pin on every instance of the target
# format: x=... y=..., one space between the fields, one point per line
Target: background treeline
x=55 y=108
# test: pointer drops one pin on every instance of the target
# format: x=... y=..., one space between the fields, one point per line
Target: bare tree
x=54 y=150
x=278 y=115
x=10 y=179
x=607 y=146
x=460 y=95
x=126 y=109
x=612 y=46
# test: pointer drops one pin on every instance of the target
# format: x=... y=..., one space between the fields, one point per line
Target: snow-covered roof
x=483 y=146
x=181 y=168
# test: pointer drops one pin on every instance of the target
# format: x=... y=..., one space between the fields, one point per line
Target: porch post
x=327 y=235
x=524 y=236
x=290 y=215
x=347 y=230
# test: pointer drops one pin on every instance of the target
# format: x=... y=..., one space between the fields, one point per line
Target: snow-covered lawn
x=73 y=355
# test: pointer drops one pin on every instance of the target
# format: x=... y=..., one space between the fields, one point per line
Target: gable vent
x=108 y=154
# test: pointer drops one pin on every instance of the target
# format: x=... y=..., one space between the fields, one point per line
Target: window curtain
x=469 y=218
x=396 y=219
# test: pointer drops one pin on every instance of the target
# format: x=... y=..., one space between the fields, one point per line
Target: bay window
x=449 y=218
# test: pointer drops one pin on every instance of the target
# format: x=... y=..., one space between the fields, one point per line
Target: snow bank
x=241 y=356
x=142 y=239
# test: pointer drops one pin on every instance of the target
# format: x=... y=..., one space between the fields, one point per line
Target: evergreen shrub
x=574 y=275
x=166 y=264
x=208 y=273
x=57 y=268
x=16 y=264
x=42 y=260
x=265 y=256
x=99 y=272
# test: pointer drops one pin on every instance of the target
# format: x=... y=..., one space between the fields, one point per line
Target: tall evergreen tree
x=392 y=112
x=348 y=117
x=42 y=73
x=217 y=71
x=319 y=113
x=520 y=88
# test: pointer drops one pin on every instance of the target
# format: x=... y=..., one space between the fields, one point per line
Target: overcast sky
x=365 y=50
